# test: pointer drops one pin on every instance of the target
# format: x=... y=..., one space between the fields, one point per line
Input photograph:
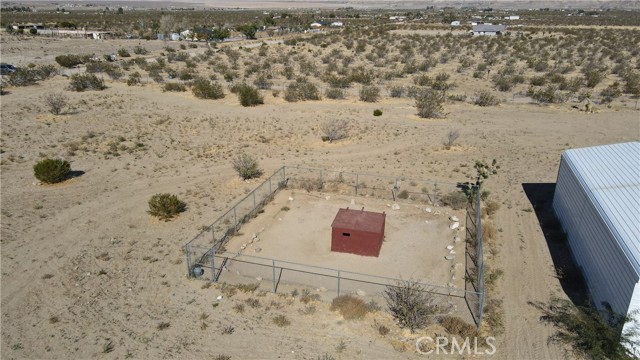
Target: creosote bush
x=206 y=89
x=248 y=95
x=82 y=82
x=301 y=90
x=165 y=206
x=246 y=166
x=174 y=87
x=69 y=61
x=486 y=98
x=350 y=307
x=369 y=93
x=377 y=112
x=51 y=171
x=430 y=103
x=410 y=304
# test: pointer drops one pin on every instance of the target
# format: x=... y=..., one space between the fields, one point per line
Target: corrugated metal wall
x=607 y=269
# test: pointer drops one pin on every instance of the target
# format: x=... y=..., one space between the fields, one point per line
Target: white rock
x=395 y=207
x=452 y=252
x=322 y=289
x=436 y=212
x=361 y=293
x=290 y=198
x=257 y=249
x=428 y=210
x=454 y=218
x=219 y=297
x=327 y=197
x=353 y=201
x=449 y=257
x=456 y=239
x=254 y=236
x=259 y=278
x=454 y=226
x=426 y=221
x=449 y=247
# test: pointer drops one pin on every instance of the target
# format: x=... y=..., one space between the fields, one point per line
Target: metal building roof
x=610 y=175
x=359 y=220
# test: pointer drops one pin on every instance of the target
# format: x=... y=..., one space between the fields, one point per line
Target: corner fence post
x=479 y=256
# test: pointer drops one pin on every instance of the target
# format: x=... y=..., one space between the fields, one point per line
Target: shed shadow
x=567 y=271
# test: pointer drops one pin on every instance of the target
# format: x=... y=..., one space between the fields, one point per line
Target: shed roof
x=610 y=175
x=488 y=28
x=359 y=220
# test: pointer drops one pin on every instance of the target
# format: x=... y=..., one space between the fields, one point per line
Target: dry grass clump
x=350 y=307
x=456 y=326
x=165 y=206
x=281 y=321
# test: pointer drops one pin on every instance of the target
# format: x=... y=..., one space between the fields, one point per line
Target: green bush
x=262 y=82
x=165 y=206
x=206 y=89
x=82 y=82
x=334 y=93
x=369 y=93
x=174 y=87
x=301 y=90
x=51 y=170
x=430 y=103
x=246 y=166
x=69 y=61
x=134 y=79
x=123 y=53
x=22 y=77
x=248 y=95
x=486 y=98
x=377 y=112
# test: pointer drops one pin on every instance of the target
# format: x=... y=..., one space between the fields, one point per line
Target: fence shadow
x=541 y=197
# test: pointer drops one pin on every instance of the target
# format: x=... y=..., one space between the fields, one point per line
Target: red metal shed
x=358 y=232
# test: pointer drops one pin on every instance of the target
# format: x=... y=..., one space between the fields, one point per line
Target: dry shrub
x=410 y=304
x=456 y=326
x=456 y=200
x=246 y=166
x=350 y=307
x=165 y=206
x=491 y=207
x=56 y=102
x=335 y=129
x=489 y=230
x=281 y=321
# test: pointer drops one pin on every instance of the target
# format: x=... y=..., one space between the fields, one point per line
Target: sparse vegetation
x=206 y=89
x=52 y=171
x=350 y=307
x=246 y=166
x=82 y=82
x=486 y=98
x=410 y=304
x=165 y=206
x=281 y=321
x=452 y=136
x=56 y=101
x=335 y=129
x=430 y=103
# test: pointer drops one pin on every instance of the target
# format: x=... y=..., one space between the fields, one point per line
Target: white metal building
x=597 y=200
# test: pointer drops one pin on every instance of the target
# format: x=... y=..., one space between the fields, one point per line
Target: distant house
x=175 y=36
x=513 y=17
x=490 y=30
x=455 y=23
x=315 y=25
x=337 y=24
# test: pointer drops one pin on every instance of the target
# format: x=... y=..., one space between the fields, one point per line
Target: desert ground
x=87 y=273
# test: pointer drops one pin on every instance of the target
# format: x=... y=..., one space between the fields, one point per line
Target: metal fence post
x=213 y=265
x=235 y=220
x=273 y=268
x=338 y=282
x=479 y=255
x=254 y=201
x=187 y=249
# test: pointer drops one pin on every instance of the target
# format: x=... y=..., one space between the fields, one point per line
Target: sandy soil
x=87 y=273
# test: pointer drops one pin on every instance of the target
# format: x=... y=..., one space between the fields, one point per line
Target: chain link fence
x=208 y=259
